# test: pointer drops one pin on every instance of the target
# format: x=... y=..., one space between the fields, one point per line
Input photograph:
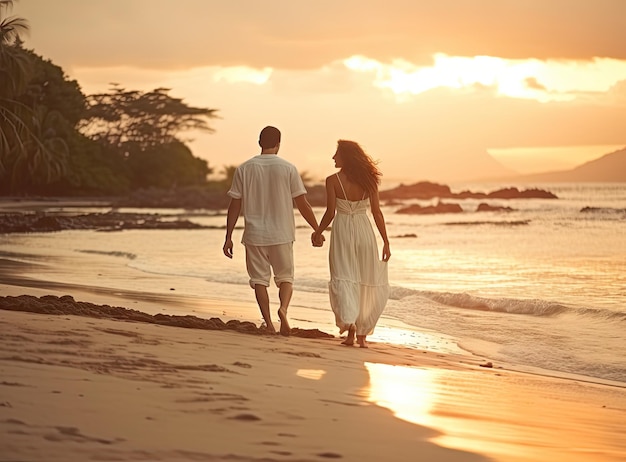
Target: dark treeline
x=57 y=141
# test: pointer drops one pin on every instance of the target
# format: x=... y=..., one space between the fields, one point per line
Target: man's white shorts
x=259 y=259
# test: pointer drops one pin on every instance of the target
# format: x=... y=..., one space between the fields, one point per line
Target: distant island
x=610 y=168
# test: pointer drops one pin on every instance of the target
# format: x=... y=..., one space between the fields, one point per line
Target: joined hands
x=317 y=240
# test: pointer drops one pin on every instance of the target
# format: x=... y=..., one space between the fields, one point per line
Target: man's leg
x=258 y=265
x=281 y=259
x=263 y=299
x=285 y=291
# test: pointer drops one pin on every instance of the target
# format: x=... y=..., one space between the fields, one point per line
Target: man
x=265 y=188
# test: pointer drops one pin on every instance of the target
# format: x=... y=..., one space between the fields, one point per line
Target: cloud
x=617 y=93
x=285 y=63
x=286 y=34
x=439 y=134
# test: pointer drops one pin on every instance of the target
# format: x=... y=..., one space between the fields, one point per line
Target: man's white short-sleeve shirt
x=267 y=185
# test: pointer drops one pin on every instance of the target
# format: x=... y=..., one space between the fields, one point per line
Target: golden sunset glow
x=543 y=81
x=407 y=391
x=242 y=74
x=415 y=395
x=525 y=160
x=431 y=397
x=434 y=96
x=313 y=230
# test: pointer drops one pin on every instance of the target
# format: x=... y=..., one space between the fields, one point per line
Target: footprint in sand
x=245 y=417
x=329 y=455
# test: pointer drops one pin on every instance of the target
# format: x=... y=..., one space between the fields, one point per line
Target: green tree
x=142 y=118
x=80 y=168
x=49 y=86
x=91 y=170
x=170 y=165
x=14 y=73
x=144 y=128
x=43 y=157
x=36 y=150
x=33 y=146
x=13 y=65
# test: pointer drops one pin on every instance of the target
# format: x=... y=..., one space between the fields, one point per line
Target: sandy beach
x=88 y=387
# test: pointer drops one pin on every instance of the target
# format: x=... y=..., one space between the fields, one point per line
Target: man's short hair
x=269 y=137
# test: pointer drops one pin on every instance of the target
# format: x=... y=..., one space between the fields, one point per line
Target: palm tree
x=31 y=153
x=13 y=80
x=43 y=158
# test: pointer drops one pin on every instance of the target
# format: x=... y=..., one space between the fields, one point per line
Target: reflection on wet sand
x=507 y=416
x=312 y=374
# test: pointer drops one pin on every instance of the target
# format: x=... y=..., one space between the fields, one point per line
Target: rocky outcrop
x=484 y=207
x=421 y=190
x=112 y=221
x=514 y=193
x=441 y=207
x=427 y=190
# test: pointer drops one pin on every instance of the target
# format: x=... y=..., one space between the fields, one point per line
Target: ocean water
x=542 y=286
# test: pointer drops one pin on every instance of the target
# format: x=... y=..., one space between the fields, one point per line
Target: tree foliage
x=167 y=166
x=13 y=65
x=144 y=128
x=39 y=121
x=146 y=119
x=55 y=140
x=51 y=87
x=14 y=73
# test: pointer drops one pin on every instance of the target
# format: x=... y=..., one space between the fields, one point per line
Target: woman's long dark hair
x=358 y=166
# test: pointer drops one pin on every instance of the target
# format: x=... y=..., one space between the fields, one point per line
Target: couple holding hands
x=264 y=189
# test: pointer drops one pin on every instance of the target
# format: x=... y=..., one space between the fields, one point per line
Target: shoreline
x=153 y=295
x=250 y=391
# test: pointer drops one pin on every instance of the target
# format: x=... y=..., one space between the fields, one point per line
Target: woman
x=358 y=286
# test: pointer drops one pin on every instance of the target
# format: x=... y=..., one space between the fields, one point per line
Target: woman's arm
x=329 y=214
x=379 y=219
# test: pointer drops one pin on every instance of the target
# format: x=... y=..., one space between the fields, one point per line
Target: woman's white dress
x=359 y=284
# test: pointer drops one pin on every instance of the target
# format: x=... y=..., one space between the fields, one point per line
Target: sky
x=448 y=91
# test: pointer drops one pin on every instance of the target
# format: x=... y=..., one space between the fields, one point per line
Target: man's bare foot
x=285 y=330
x=349 y=341
x=361 y=341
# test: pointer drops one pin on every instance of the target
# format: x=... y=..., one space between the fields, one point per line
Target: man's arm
x=231 y=220
x=306 y=211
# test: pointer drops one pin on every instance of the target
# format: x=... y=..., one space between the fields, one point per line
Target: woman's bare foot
x=285 y=330
x=361 y=341
x=349 y=341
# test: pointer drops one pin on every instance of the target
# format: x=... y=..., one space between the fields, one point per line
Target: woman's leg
x=349 y=341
